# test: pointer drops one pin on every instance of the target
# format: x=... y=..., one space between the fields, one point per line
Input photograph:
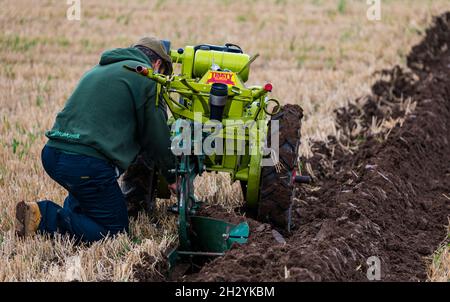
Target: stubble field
x=321 y=55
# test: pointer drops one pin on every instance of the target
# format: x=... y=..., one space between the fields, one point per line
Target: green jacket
x=112 y=115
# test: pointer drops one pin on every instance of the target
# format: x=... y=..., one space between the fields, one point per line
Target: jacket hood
x=123 y=54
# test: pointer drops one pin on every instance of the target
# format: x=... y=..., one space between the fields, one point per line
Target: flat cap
x=156 y=46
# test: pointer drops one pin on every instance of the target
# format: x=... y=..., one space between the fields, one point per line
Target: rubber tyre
x=276 y=189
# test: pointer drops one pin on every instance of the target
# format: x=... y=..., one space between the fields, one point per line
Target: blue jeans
x=95 y=205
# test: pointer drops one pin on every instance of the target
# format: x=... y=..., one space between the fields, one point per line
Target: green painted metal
x=173 y=258
x=245 y=106
x=217 y=236
x=184 y=200
x=238 y=234
x=188 y=62
x=242 y=175
x=231 y=61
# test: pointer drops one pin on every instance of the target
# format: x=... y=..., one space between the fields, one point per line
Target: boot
x=28 y=217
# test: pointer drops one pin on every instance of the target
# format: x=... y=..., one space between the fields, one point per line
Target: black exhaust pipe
x=217 y=100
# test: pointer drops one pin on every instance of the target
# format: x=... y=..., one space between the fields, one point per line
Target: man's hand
x=173 y=188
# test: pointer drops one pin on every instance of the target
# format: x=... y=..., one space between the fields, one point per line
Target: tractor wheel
x=276 y=188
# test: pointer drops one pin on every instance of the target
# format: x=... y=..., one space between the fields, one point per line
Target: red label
x=222 y=77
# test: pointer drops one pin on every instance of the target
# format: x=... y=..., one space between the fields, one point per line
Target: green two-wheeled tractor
x=221 y=125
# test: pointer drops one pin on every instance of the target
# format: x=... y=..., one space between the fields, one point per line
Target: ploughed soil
x=379 y=193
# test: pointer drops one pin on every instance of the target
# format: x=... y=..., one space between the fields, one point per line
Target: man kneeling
x=109 y=119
